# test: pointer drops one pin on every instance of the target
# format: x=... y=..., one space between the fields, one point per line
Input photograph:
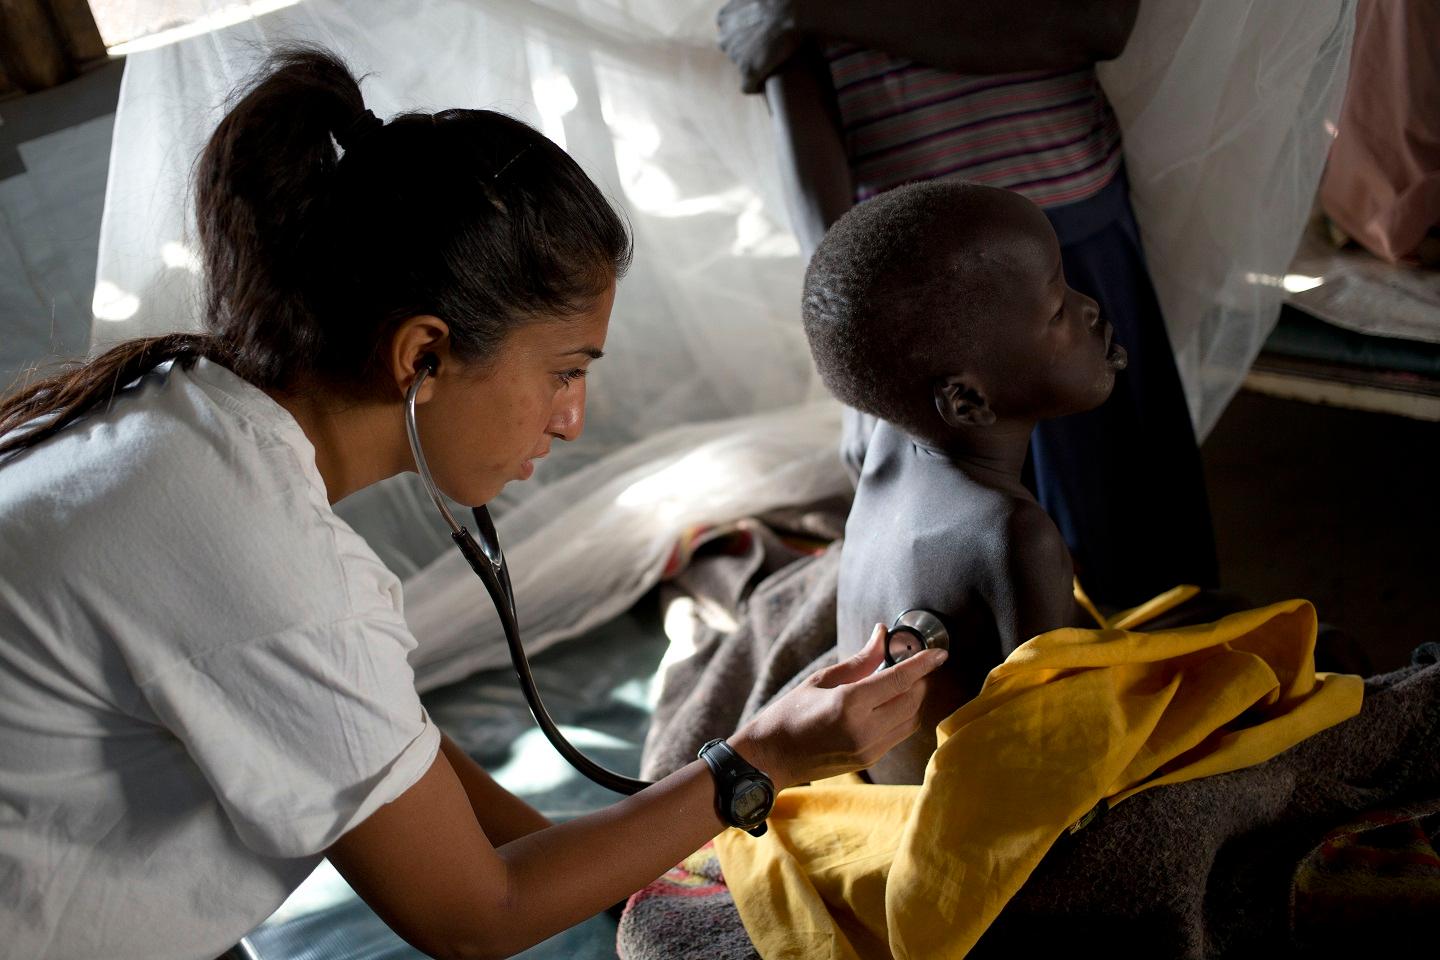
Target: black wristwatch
x=743 y=795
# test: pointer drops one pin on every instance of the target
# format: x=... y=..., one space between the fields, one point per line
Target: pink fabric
x=1382 y=182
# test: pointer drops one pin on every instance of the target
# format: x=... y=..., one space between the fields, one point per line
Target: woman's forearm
x=424 y=864
x=977 y=36
x=502 y=815
x=427 y=868
x=619 y=849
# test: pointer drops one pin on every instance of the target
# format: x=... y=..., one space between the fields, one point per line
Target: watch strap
x=728 y=768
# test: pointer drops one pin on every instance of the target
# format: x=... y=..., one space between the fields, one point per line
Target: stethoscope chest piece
x=912 y=632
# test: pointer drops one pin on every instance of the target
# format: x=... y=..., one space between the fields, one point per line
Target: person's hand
x=840 y=719
x=758 y=36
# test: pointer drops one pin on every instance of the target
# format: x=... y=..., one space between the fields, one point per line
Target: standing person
x=868 y=96
x=203 y=677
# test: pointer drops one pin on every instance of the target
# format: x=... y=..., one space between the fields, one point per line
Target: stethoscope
x=488 y=561
x=912 y=631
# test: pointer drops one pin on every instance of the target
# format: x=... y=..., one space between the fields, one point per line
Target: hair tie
x=364 y=124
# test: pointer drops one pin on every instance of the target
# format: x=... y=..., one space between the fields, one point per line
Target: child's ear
x=961 y=404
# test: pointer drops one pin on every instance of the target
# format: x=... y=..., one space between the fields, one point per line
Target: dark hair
x=891 y=291
x=311 y=257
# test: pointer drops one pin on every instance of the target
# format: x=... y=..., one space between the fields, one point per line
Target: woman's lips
x=527 y=468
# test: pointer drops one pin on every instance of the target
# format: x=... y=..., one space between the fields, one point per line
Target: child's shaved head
x=936 y=279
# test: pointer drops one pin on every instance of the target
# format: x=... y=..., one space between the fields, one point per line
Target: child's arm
x=1040 y=595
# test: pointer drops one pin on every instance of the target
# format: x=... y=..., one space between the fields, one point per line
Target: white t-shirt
x=203 y=675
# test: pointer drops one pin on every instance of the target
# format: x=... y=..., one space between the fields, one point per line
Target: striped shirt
x=1049 y=135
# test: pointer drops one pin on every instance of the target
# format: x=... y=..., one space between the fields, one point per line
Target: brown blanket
x=1221 y=867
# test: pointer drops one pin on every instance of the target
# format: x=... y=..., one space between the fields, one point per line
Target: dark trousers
x=1124 y=482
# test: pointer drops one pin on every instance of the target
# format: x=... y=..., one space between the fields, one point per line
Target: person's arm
x=502 y=815
x=814 y=170
x=978 y=36
x=427 y=868
x=965 y=36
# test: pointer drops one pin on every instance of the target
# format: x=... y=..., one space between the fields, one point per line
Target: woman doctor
x=203 y=677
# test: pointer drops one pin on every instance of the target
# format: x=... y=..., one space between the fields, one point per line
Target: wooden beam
x=30 y=52
x=7 y=87
x=1353 y=396
x=76 y=26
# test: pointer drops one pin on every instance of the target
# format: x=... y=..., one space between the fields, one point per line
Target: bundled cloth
x=1220 y=721
x=662 y=919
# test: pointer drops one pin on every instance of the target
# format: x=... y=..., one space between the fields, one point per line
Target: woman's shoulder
x=196 y=483
x=203 y=448
x=267 y=494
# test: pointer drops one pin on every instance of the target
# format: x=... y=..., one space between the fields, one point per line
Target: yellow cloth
x=1073 y=717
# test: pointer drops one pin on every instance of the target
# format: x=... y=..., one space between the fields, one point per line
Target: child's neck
x=993 y=455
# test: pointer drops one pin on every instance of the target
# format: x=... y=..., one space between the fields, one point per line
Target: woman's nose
x=567 y=421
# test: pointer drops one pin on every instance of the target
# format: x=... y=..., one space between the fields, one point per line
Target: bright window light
x=129 y=27
x=113 y=304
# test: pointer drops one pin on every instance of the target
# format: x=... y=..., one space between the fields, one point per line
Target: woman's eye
x=570 y=376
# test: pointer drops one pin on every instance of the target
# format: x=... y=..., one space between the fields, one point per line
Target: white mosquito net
x=706 y=407
x=1228 y=108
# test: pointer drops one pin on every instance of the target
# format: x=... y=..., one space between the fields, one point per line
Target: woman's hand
x=841 y=719
x=758 y=36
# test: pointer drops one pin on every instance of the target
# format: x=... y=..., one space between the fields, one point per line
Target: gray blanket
x=787 y=632
x=1199 y=869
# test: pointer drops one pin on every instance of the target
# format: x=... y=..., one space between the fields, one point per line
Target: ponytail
x=63 y=398
x=312 y=256
x=260 y=184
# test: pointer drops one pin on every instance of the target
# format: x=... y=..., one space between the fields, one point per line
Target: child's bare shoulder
x=1008 y=526
x=1038 y=576
x=1030 y=533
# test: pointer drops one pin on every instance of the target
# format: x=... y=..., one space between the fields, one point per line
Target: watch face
x=751 y=802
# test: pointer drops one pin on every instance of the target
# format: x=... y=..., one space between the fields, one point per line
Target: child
x=942 y=310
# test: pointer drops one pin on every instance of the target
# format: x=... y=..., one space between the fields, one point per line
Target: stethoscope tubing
x=488 y=561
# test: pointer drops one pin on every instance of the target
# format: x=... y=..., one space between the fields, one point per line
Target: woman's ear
x=419 y=343
x=961 y=404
